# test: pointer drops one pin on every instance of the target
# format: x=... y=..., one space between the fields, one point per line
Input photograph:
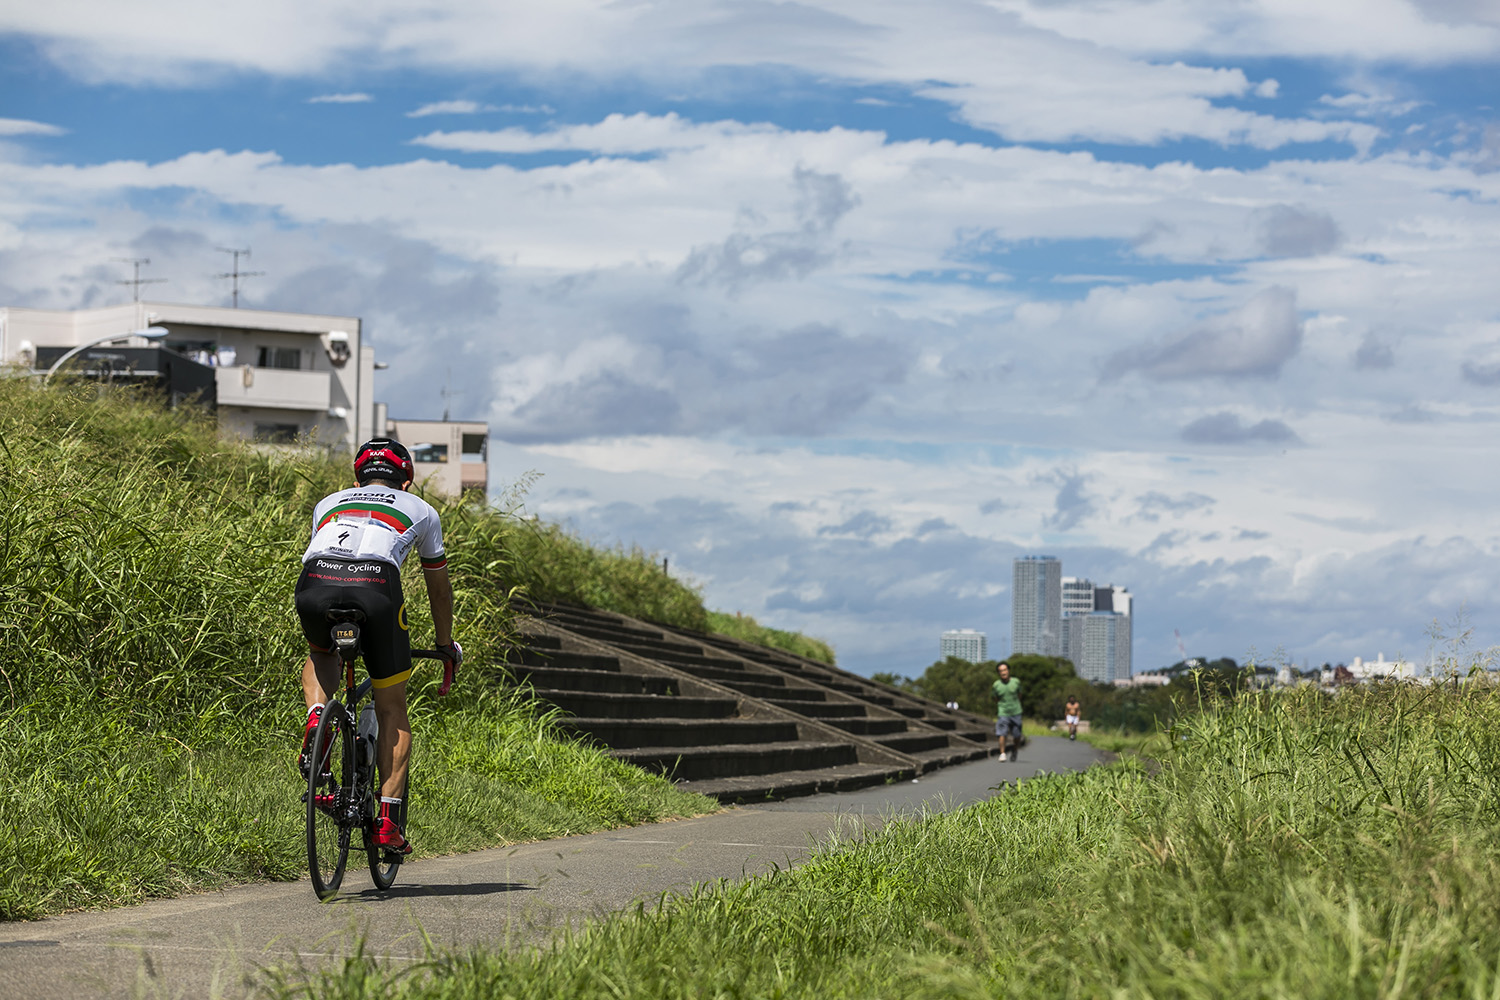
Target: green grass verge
x=747 y=629
x=150 y=663
x=1293 y=845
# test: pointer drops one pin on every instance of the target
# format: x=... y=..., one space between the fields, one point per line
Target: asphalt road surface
x=213 y=943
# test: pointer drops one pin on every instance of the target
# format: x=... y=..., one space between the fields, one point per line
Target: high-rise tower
x=1036 y=606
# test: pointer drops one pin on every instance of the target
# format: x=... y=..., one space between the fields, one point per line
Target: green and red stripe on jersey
x=436 y=562
x=388 y=516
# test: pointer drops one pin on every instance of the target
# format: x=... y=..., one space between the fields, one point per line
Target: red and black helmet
x=383 y=458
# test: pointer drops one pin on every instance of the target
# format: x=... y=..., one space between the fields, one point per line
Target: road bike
x=342 y=793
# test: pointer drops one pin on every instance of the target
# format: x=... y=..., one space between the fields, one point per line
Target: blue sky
x=843 y=306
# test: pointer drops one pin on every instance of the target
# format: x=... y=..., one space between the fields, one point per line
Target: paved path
x=212 y=943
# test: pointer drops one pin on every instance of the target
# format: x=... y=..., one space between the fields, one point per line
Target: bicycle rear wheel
x=385 y=864
x=330 y=791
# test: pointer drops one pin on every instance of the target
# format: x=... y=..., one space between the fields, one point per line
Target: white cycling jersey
x=376 y=522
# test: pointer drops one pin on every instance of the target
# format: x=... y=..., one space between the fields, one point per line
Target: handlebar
x=449 y=666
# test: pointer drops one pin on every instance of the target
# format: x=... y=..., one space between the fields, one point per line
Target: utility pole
x=235 y=273
x=137 y=281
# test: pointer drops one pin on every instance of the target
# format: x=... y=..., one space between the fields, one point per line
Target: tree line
x=1047 y=682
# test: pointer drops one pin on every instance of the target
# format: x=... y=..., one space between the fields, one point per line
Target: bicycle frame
x=350 y=804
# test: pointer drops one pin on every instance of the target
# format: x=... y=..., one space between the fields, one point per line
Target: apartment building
x=279 y=378
x=966 y=644
x=1036 y=606
x=451 y=456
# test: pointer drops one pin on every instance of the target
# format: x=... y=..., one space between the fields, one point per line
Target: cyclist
x=360 y=538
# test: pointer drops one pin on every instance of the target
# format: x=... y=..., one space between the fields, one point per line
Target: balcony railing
x=276 y=388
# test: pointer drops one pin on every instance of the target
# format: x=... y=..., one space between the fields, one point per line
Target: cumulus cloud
x=865 y=524
x=1002 y=72
x=22 y=126
x=1152 y=506
x=1373 y=354
x=351 y=98
x=1253 y=341
x=1288 y=231
x=821 y=201
x=1228 y=428
x=462 y=107
x=616 y=135
x=663 y=376
x=1072 y=504
x=1483 y=370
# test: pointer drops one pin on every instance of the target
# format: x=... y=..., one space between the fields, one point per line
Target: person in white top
x=360 y=538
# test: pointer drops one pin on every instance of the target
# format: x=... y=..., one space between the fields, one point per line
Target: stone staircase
x=729 y=719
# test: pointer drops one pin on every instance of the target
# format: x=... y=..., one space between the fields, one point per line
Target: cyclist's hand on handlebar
x=453 y=655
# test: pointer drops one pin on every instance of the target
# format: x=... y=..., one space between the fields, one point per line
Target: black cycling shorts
x=375 y=588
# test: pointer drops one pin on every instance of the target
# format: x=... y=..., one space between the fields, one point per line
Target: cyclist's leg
x=388 y=659
x=394 y=749
x=320 y=676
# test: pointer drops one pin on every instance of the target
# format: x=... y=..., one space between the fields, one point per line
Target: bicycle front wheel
x=330 y=795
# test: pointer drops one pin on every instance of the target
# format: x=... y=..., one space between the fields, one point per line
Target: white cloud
x=355 y=98
x=450 y=108
x=1421 y=31
x=616 y=135
x=1015 y=72
x=21 y=126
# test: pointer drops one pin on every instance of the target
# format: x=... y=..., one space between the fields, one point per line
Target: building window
x=474 y=447
x=277 y=433
x=425 y=452
x=279 y=357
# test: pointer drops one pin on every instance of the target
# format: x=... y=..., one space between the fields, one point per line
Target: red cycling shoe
x=388 y=836
x=313 y=718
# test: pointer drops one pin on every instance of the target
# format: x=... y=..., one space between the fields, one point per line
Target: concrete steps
x=728 y=719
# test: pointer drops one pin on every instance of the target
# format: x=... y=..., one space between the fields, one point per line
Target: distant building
x=1095 y=657
x=277 y=377
x=1364 y=670
x=966 y=644
x=1036 y=606
x=1098 y=644
x=451 y=456
x=1077 y=596
x=1143 y=680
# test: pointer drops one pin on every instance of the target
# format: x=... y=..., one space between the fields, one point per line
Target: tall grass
x=747 y=629
x=150 y=702
x=1285 y=846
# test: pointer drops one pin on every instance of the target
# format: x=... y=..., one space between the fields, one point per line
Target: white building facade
x=1099 y=651
x=278 y=378
x=281 y=377
x=965 y=644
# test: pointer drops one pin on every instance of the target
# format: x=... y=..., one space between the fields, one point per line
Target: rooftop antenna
x=448 y=394
x=137 y=281
x=235 y=273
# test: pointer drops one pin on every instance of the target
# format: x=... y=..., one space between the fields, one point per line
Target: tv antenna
x=137 y=281
x=449 y=393
x=235 y=273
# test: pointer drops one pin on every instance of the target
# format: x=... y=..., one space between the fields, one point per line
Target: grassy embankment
x=1287 y=846
x=150 y=705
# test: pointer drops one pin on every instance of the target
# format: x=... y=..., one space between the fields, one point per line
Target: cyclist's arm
x=440 y=599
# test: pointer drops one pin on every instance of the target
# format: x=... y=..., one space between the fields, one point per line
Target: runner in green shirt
x=1007 y=691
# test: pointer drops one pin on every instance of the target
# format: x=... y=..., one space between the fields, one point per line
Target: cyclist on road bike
x=360 y=538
